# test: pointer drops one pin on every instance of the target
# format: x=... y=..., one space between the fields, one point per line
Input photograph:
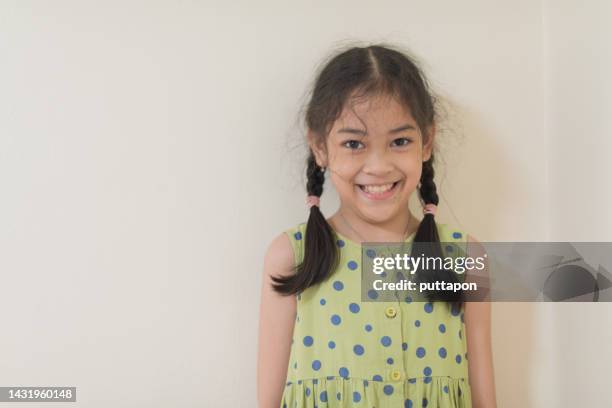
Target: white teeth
x=377 y=189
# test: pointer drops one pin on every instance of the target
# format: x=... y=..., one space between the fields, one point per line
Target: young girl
x=370 y=127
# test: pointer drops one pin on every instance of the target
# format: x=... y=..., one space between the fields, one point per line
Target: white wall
x=150 y=151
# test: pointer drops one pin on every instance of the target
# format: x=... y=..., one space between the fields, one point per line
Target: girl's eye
x=402 y=141
x=352 y=144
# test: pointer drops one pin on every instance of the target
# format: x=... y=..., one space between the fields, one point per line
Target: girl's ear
x=428 y=146
x=317 y=145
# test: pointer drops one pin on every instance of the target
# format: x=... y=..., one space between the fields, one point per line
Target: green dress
x=349 y=353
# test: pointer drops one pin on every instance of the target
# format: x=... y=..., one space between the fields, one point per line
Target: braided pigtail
x=320 y=252
x=428 y=232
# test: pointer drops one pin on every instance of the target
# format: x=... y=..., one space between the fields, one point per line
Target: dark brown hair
x=358 y=72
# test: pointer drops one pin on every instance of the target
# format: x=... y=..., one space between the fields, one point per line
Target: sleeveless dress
x=349 y=353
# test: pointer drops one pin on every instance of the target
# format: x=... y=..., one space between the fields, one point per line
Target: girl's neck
x=359 y=230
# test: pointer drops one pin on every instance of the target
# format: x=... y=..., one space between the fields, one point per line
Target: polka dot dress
x=349 y=353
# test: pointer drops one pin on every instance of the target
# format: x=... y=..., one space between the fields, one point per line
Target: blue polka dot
x=322 y=302
x=298 y=235
x=427 y=371
x=307 y=392
x=308 y=341
x=408 y=299
x=336 y=320
x=385 y=341
x=408 y=403
x=316 y=365
x=455 y=310
x=344 y=372
x=389 y=360
x=358 y=349
x=458 y=358
x=354 y=307
x=425 y=402
x=323 y=396
x=404 y=346
x=368 y=327
x=427 y=380
x=377 y=378
x=442 y=328
x=442 y=352
x=338 y=285
x=388 y=389
x=372 y=294
x=371 y=253
x=456 y=235
x=428 y=307
x=420 y=352
x=417 y=323
x=352 y=265
x=356 y=396
x=445 y=389
x=331 y=345
x=340 y=243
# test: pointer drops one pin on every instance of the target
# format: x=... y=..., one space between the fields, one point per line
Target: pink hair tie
x=312 y=200
x=430 y=209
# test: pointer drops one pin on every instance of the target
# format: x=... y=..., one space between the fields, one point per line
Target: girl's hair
x=362 y=72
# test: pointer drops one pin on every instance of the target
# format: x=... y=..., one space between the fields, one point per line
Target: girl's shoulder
x=451 y=233
x=456 y=241
x=279 y=256
x=296 y=231
x=296 y=236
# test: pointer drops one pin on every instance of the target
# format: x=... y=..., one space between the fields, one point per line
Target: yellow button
x=396 y=375
x=390 y=312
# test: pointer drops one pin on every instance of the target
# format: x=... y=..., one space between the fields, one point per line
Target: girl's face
x=374 y=155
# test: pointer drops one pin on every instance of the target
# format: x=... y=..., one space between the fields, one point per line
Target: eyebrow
x=364 y=133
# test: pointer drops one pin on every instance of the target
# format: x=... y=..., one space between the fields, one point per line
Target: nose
x=377 y=163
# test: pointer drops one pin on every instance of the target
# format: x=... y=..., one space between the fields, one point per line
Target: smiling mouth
x=377 y=189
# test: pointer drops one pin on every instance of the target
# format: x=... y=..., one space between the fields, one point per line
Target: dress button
x=396 y=375
x=390 y=312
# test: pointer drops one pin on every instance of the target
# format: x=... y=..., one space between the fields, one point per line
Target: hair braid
x=428 y=232
x=320 y=252
x=316 y=177
x=428 y=190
